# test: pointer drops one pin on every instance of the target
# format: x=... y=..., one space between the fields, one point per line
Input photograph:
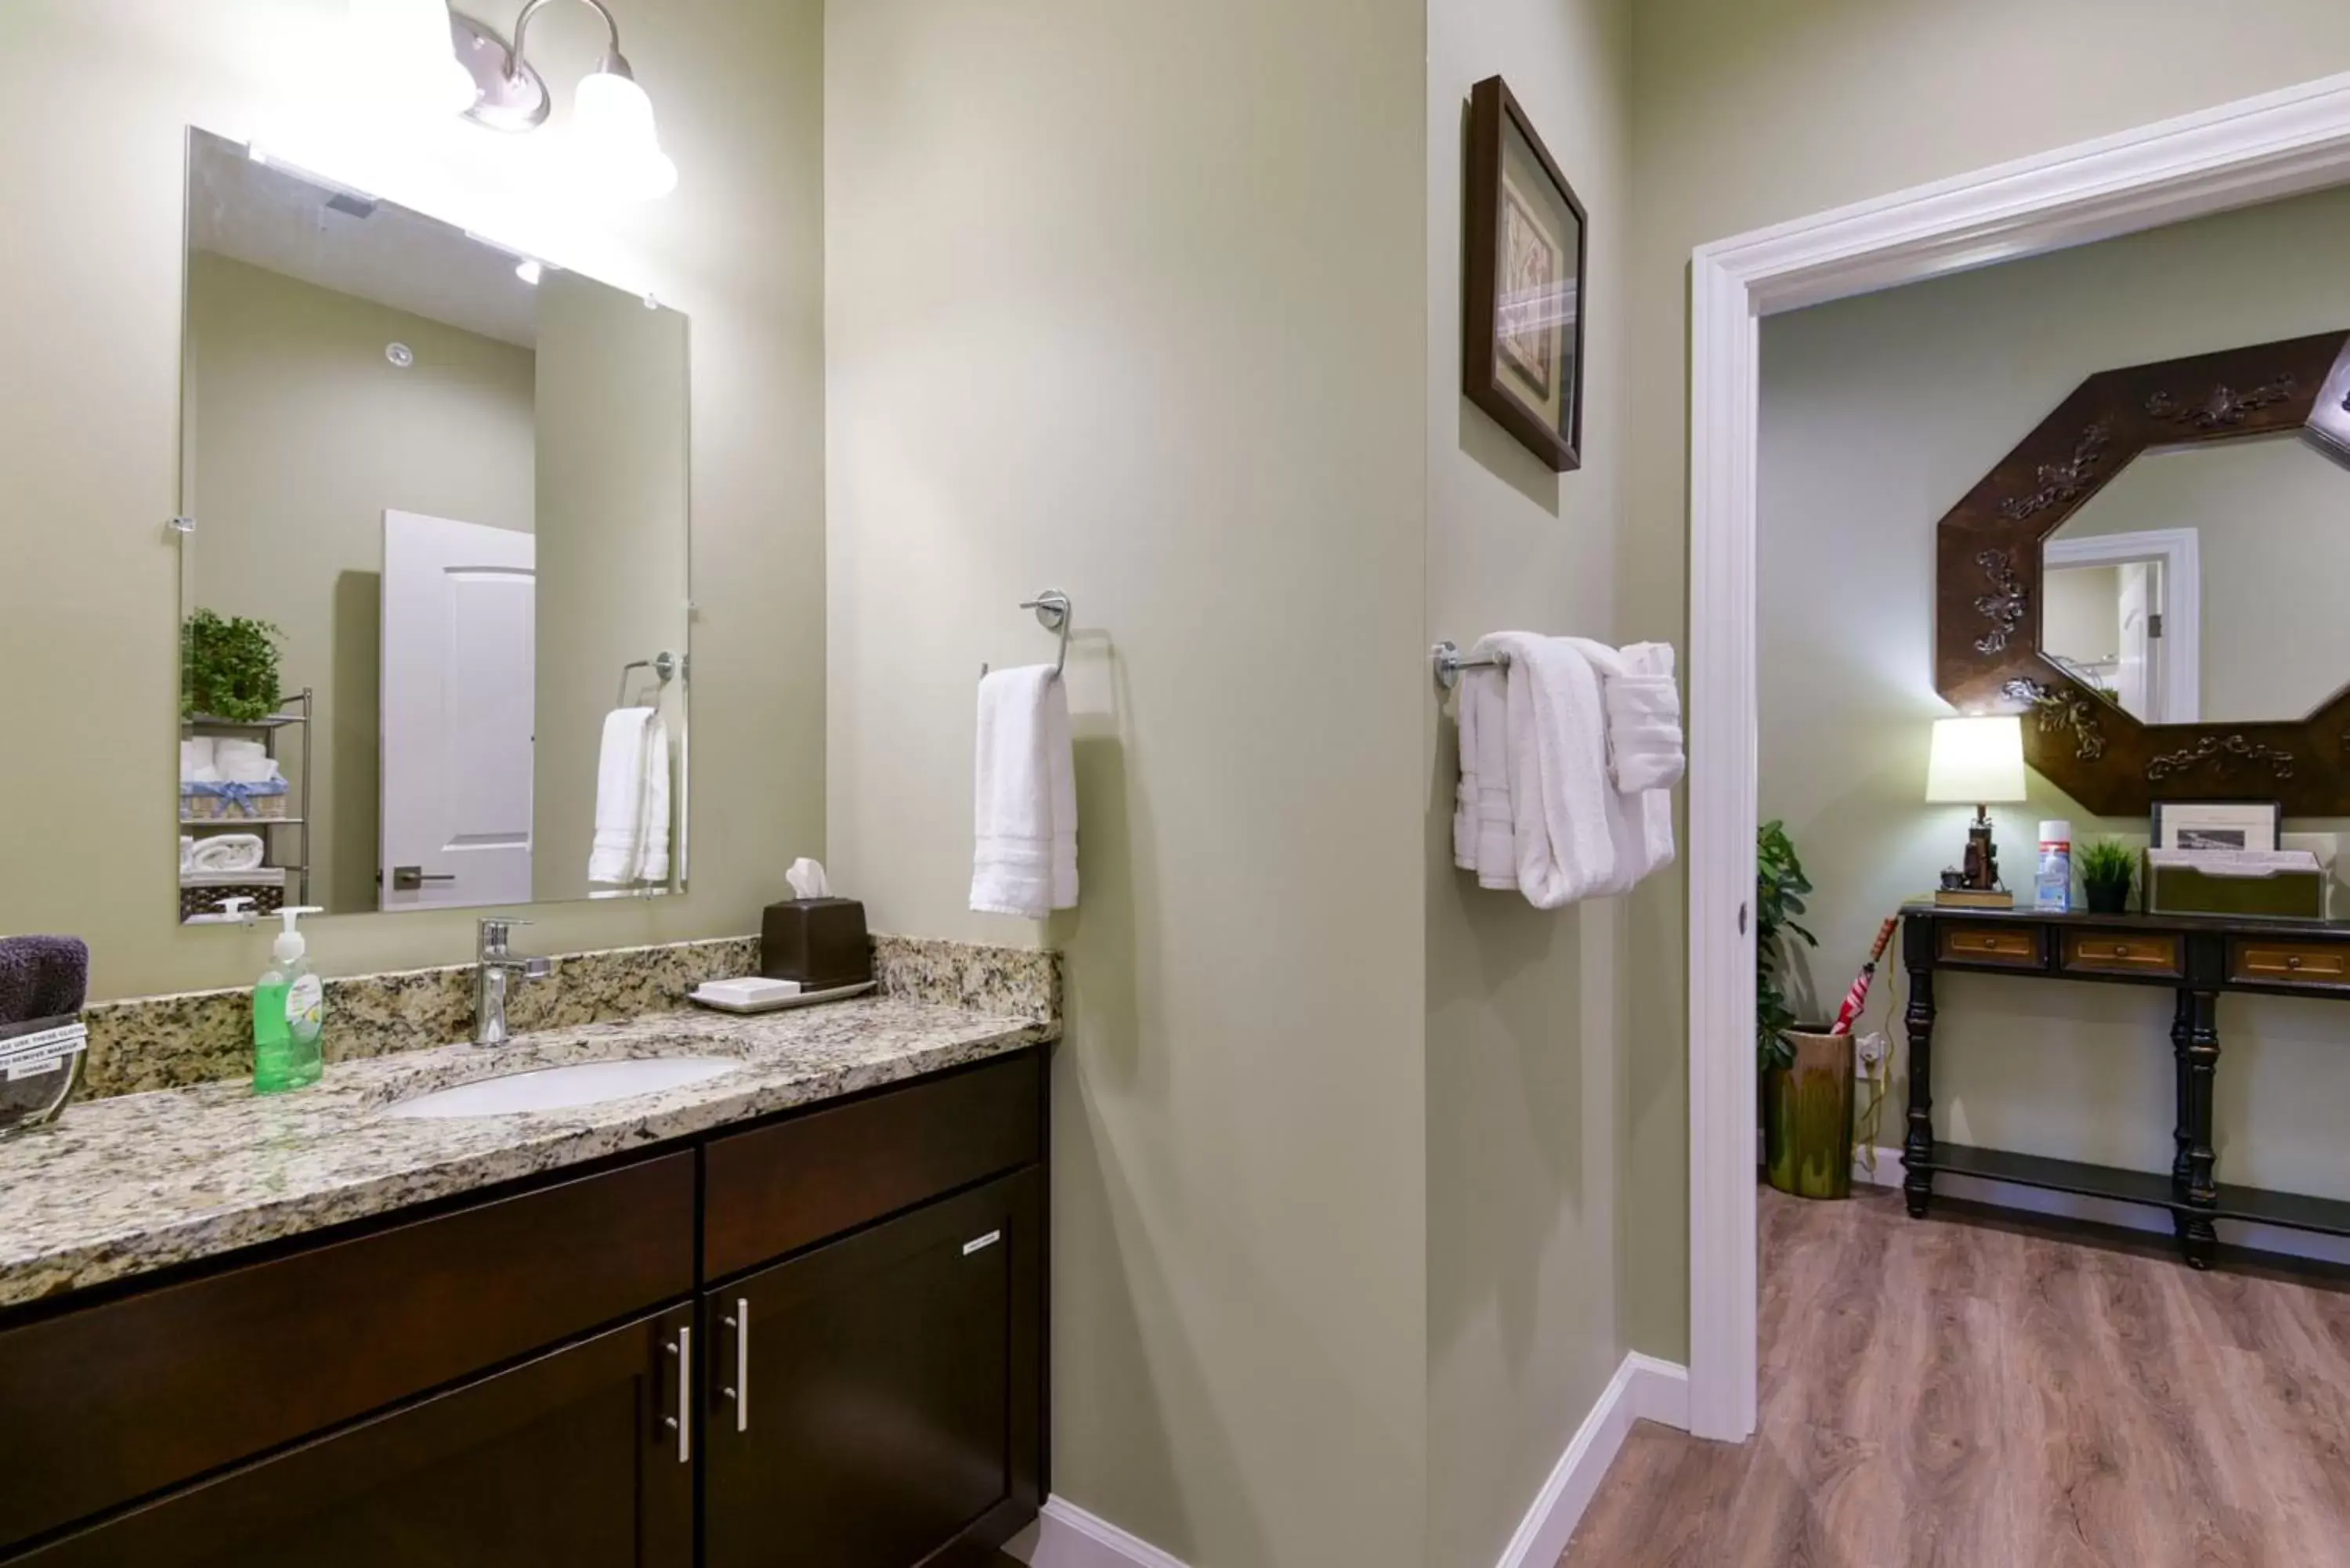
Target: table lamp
x=1976 y=762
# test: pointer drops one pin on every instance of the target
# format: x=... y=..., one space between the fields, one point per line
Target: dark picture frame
x=1522 y=358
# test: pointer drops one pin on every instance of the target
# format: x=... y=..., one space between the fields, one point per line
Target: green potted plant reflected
x=1807 y=1071
x=228 y=667
x=2109 y=866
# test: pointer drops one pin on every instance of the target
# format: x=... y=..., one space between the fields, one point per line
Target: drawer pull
x=741 y=1392
x=2292 y=960
x=683 y=1422
x=981 y=1243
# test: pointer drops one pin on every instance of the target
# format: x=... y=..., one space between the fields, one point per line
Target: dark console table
x=2197 y=957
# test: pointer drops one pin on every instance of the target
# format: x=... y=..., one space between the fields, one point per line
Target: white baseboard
x=2274 y=1238
x=1066 y=1536
x=1643 y=1389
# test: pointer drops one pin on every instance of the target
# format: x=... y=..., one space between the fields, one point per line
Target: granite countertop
x=122 y=1186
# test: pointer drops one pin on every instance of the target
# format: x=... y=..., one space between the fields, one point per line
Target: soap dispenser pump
x=288 y=1013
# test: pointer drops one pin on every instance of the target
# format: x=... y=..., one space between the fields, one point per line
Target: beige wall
x=308 y=435
x=89 y=420
x=1745 y=114
x=1878 y=413
x=1131 y=301
x=1524 y=1007
x=612 y=424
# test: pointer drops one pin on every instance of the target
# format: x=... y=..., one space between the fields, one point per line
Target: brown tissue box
x=820 y=942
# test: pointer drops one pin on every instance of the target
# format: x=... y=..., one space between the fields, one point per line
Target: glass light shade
x=406 y=56
x=1976 y=762
x=613 y=121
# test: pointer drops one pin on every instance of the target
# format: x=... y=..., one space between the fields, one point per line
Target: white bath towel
x=225 y=852
x=1484 y=831
x=1574 y=836
x=1644 y=719
x=1645 y=822
x=1025 y=854
x=197 y=764
x=631 y=843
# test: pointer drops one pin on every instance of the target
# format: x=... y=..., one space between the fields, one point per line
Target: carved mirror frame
x=1987 y=640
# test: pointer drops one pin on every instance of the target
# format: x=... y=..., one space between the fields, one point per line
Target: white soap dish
x=755 y=994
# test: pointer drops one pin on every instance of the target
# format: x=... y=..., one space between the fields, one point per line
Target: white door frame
x=2180 y=551
x=2253 y=150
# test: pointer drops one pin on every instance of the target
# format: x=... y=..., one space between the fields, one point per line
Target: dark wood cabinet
x=569 y=1460
x=879 y=1398
x=829 y=1353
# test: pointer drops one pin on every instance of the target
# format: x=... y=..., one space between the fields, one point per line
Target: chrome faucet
x=494 y=966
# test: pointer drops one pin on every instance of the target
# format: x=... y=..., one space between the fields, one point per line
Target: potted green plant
x=228 y=667
x=1807 y=1071
x=2109 y=866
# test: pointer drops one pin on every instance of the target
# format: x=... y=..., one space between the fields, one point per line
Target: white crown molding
x=2252 y=150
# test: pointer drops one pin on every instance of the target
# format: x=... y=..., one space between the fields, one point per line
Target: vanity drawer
x=111 y=1402
x=2161 y=954
x=2016 y=946
x=778 y=1188
x=2266 y=961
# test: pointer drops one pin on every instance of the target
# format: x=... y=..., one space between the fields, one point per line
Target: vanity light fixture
x=612 y=120
x=402 y=50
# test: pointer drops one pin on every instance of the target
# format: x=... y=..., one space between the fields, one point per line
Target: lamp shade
x=1976 y=760
x=613 y=121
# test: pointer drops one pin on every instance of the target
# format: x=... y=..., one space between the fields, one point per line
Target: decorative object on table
x=228 y=667
x=2109 y=866
x=44 y=981
x=2222 y=824
x=2280 y=884
x=2052 y=889
x=1522 y=343
x=2109 y=460
x=816 y=939
x=1977 y=761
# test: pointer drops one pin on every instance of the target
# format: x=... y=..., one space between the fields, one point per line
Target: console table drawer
x=2017 y=946
x=2263 y=961
x=2156 y=953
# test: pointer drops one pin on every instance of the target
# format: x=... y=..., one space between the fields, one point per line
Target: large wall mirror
x=434 y=599
x=2155 y=572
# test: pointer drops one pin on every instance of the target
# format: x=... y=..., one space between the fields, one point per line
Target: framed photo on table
x=1522 y=344
x=2216 y=824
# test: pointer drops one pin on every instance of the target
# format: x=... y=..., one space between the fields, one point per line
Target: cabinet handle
x=683 y=1422
x=2292 y=960
x=740 y=1393
x=981 y=1243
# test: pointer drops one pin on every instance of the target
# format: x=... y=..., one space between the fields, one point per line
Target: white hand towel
x=1644 y=719
x=631 y=843
x=1484 y=831
x=1642 y=826
x=196 y=761
x=227 y=852
x=1568 y=824
x=1025 y=855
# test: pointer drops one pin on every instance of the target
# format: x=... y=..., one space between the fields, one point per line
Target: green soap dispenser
x=289 y=1013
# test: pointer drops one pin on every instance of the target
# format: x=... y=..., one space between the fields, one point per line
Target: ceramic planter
x=1807 y=1117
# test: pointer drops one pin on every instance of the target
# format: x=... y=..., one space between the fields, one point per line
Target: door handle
x=740 y=1393
x=408 y=879
x=681 y=1423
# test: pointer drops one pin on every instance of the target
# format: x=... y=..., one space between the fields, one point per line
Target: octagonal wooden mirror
x=2156 y=574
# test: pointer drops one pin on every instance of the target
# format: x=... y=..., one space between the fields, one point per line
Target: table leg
x=2197 y=1048
x=1917 y=1148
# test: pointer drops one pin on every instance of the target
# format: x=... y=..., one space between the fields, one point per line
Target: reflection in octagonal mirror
x=2205 y=582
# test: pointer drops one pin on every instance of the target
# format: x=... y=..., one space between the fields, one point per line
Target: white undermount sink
x=564 y=1088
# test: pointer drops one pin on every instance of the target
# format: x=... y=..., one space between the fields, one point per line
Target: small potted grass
x=2109 y=866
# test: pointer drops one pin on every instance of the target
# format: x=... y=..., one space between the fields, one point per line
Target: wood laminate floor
x=1967 y=1392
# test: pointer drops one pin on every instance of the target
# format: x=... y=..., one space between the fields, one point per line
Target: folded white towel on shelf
x=1025 y=854
x=244 y=762
x=187 y=852
x=197 y=764
x=227 y=852
x=631 y=841
x=1644 y=719
x=1574 y=833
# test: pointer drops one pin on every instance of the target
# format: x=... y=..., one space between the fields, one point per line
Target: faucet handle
x=493 y=931
x=538 y=968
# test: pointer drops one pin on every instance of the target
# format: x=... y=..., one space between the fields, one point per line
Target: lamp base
x=1980 y=872
x=515 y=102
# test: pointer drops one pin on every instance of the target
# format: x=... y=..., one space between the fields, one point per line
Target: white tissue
x=807 y=879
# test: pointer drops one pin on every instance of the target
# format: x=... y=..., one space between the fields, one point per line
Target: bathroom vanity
x=795 y=1314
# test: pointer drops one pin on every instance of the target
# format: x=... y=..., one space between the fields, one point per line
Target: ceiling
x=269 y=216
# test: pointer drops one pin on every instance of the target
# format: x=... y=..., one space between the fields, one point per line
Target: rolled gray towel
x=42 y=977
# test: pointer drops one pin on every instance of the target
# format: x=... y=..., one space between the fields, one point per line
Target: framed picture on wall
x=1522 y=344
x=2216 y=824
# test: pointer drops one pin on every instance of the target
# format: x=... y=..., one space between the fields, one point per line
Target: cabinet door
x=888 y=1398
x=571 y=1460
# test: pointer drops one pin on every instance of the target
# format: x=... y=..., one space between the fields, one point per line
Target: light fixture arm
x=613 y=61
